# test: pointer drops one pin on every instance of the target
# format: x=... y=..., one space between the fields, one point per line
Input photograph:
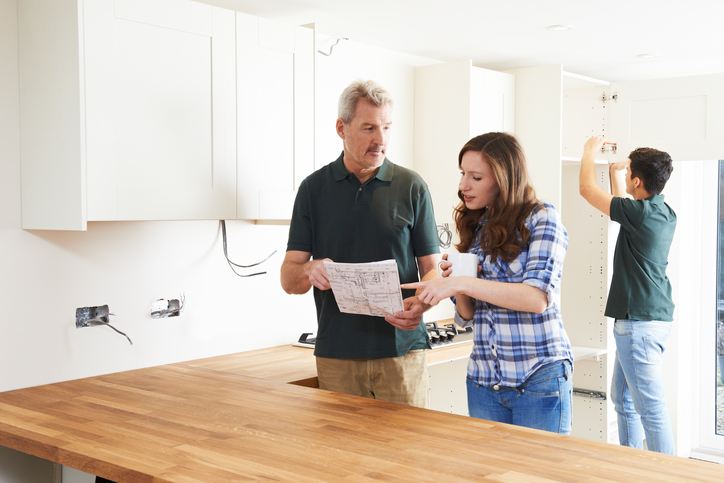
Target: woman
x=521 y=364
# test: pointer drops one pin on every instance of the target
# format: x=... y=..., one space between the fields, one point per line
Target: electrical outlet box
x=91 y=316
x=174 y=308
x=162 y=308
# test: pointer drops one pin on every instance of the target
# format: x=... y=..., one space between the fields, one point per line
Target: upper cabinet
x=683 y=116
x=275 y=112
x=454 y=102
x=127 y=111
x=557 y=111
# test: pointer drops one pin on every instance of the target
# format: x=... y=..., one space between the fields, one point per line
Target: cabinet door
x=275 y=115
x=159 y=103
x=682 y=116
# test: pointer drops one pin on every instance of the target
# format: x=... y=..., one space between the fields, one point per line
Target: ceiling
x=605 y=41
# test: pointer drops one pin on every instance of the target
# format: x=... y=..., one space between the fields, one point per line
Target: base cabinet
x=446 y=385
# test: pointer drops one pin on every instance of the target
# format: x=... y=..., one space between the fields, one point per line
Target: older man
x=363 y=208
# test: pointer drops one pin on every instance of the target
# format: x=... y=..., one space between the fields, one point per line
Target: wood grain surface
x=179 y=423
x=290 y=364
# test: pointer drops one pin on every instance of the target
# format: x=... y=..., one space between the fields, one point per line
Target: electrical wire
x=102 y=321
x=232 y=264
x=332 y=47
x=444 y=235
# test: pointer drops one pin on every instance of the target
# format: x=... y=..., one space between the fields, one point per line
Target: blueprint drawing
x=366 y=288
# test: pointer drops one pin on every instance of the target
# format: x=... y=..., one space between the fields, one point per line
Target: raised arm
x=616 y=173
x=587 y=186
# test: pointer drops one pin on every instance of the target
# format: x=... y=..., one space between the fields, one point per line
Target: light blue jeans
x=637 y=387
x=543 y=401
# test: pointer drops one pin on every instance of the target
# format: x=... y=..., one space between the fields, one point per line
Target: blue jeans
x=637 y=387
x=543 y=401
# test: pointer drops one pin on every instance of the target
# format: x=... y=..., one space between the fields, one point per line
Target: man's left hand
x=410 y=318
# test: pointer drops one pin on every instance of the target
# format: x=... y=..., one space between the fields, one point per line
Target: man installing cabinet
x=363 y=208
x=640 y=295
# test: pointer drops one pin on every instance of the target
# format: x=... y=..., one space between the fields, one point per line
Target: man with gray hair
x=363 y=208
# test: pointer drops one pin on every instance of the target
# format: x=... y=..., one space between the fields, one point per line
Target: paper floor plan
x=366 y=288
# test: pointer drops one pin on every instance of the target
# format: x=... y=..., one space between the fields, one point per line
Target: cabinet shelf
x=571 y=161
x=580 y=353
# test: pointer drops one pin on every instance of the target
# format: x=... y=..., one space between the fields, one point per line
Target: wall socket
x=162 y=308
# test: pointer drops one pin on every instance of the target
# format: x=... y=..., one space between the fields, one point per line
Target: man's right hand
x=318 y=274
x=299 y=273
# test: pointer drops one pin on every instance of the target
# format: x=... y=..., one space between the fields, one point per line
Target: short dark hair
x=652 y=167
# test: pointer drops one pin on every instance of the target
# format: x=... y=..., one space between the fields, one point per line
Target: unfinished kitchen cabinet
x=556 y=112
x=275 y=89
x=127 y=111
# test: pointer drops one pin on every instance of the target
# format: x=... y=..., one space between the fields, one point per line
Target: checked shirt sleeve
x=548 y=245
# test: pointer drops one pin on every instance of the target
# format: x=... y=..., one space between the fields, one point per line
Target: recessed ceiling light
x=648 y=56
x=559 y=28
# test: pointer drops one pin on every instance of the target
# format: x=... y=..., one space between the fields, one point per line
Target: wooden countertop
x=227 y=419
x=296 y=365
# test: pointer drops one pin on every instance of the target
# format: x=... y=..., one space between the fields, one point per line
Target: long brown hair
x=504 y=232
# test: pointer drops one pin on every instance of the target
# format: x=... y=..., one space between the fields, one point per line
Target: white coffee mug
x=463 y=265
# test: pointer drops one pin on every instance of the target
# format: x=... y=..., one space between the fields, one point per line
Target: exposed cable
x=103 y=321
x=332 y=47
x=232 y=264
x=444 y=235
x=123 y=334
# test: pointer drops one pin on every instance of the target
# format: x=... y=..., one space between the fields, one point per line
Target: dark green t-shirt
x=390 y=216
x=640 y=289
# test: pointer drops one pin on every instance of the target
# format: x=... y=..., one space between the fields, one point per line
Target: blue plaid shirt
x=510 y=345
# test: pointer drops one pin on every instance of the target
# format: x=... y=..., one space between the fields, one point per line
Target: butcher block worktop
x=236 y=418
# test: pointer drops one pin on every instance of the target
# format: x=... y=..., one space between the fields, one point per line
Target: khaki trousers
x=395 y=379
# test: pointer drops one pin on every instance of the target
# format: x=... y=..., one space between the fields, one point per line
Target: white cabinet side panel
x=538 y=125
x=442 y=127
x=492 y=102
x=447 y=387
x=265 y=113
x=584 y=116
x=51 y=116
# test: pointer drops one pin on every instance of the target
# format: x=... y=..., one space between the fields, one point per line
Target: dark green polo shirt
x=390 y=216
x=640 y=289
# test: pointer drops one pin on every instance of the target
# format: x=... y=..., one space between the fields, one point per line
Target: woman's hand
x=433 y=291
x=445 y=267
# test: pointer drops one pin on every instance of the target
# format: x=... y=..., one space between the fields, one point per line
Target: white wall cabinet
x=556 y=113
x=127 y=111
x=275 y=86
x=453 y=102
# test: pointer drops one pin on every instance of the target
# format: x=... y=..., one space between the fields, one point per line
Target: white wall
x=350 y=61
